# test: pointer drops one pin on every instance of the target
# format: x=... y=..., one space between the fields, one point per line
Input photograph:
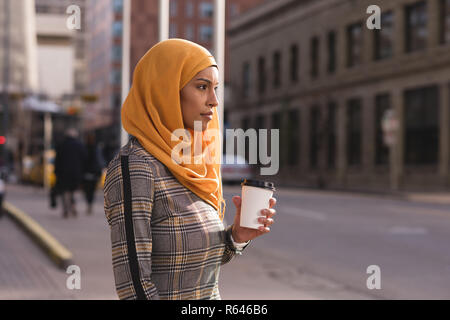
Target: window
x=331 y=67
x=354 y=132
x=276 y=120
x=260 y=122
x=116 y=101
x=384 y=37
x=42 y=8
x=173 y=7
x=331 y=134
x=206 y=10
x=117 y=53
x=276 y=124
x=117 y=28
x=259 y=125
x=382 y=104
x=189 y=9
x=261 y=75
x=116 y=77
x=354 y=44
x=118 y=6
x=206 y=33
x=416 y=26
x=277 y=69
x=421 y=126
x=294 y=63
x=234 y=9
x=245 y=79
x=445 y=21
x=189 y=32
x=314 y=136
x=314 y=52
x=245 y=123
x=293 y=137
x=173 y=30
x=245 y=127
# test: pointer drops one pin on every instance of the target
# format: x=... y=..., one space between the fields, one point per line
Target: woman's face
x=198 y=98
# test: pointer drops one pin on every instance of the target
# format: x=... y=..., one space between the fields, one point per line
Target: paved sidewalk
x=25 y=271
x=87 y=237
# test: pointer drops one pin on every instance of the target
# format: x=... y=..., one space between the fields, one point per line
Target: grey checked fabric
x=180 y=241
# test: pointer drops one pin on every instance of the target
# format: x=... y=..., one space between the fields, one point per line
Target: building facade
x=104 y=22
x=48 y=9
x=189 y=19
x=318 y=73
x=18 y=71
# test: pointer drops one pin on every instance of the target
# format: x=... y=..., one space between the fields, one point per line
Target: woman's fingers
x=264 y=229
x=272 y=202
x=266 y=221
x=269 y=213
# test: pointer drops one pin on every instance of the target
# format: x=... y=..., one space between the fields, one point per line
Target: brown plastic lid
x=259 y=184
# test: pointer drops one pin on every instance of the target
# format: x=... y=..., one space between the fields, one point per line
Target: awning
x=33 y=103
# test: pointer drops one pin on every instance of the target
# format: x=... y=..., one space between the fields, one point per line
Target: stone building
x=18 y=70
x=316 y=71
x=189 y=19
x=104 y=42
x=57 y=9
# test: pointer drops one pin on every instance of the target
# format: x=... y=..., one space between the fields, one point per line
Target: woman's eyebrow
x=206 y=80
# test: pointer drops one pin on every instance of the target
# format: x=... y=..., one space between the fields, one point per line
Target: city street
x=319 y=248
x=323 y=242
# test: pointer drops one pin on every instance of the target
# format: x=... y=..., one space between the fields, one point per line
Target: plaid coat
x=167 y=243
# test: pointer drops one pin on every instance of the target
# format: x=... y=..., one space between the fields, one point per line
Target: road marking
x=419 y=210
x=304 y=213
x=403 y=230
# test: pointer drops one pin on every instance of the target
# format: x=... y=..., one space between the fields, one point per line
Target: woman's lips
x=208 y=115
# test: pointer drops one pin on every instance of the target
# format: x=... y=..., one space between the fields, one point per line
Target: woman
x=168 y=239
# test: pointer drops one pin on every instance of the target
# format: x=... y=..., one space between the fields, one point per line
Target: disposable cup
x=255 y=197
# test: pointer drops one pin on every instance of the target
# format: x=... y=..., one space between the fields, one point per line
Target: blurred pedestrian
x=69 y=162
x=2 y=190
x=92 y=170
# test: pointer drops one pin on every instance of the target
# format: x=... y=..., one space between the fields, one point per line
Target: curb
x=55 y=250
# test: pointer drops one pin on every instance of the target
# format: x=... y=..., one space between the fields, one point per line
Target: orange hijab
x=152 y=112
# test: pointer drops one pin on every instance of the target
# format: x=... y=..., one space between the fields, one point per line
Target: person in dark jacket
x=2 y=189
x=92 y=170
x=69 y=163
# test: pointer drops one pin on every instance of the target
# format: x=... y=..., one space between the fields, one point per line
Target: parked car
x=235 y=169
x=34 y=170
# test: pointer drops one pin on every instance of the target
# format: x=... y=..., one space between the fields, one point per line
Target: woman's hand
x=242 y=234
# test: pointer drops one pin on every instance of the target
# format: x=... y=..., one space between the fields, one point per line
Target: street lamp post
x=126 y=21
x=5 y=75
x=219 y=52
x=163 y=20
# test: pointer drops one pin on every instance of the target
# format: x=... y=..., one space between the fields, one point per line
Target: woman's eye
x=203 y=87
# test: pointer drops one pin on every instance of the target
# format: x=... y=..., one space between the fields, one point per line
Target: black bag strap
x=132 y=255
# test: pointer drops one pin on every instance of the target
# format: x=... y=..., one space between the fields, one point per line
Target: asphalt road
x=322 y=244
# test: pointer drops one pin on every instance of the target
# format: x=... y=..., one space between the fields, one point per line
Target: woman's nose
x=213 y=101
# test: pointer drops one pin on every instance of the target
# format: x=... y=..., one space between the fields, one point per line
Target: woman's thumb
x=237 y=201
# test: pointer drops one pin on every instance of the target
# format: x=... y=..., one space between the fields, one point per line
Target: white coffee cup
x=255 y=197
